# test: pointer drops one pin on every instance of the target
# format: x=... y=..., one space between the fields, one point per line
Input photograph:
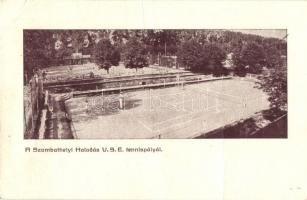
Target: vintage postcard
x=153 y=100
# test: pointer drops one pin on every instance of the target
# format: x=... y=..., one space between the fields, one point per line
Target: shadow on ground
x=109 y=108
x=249 y=128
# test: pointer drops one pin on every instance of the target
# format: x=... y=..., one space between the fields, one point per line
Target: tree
x=106 y=55
x=272 y=57
x=189 y=55
x=161 y=41
x=251 y=58
x=136 y=54
x=214 y=56
x=37 y=51
x=274 y=83
x=115 y=57
x=205 y=58
x=274 y=49
x=119 y=38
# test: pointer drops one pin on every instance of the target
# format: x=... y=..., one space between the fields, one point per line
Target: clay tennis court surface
x=173 y=113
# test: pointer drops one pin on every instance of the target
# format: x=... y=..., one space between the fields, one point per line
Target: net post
x=192 y=104
x=204 y=125
x=102 y=98
x=150 y=99
x=207 y=95
x=182 y=85
x=183 y=100
x=217 y=103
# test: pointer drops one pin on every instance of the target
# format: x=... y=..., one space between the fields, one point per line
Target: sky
x=275 y=33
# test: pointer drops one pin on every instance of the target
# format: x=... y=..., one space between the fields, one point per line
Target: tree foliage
x=251 y=58
x=37 y=51
x=190 y=54
x=106 y=55
x=274 y=83
x=136 y=54
x=197 y=49
x=161 y=41
x=205 y=58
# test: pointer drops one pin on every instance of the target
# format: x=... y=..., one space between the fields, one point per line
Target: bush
x=220 y=71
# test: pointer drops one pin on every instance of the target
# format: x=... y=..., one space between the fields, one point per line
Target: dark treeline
x=197 y=50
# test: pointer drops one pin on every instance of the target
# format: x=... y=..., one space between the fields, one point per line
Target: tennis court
x=176 y=112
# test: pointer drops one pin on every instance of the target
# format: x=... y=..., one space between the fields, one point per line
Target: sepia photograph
x=152 y=100
x=154 y=83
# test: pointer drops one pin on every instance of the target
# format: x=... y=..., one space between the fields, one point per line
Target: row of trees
x=204 y=50
x=198 y=50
